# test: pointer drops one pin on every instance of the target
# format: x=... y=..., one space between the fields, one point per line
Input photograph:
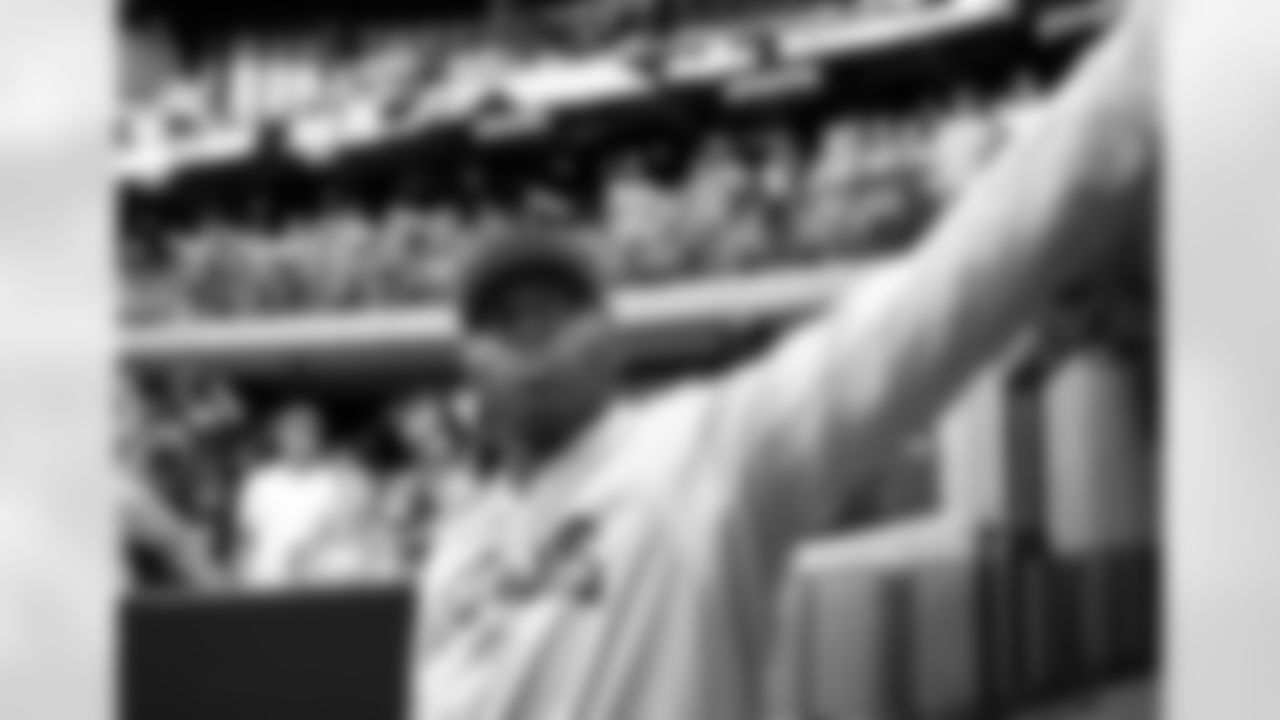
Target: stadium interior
x=299 y=183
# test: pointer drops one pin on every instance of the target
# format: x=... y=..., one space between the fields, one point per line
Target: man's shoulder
x=671 y=418
x=268 y=474
x=271 y=480
x=664 y=403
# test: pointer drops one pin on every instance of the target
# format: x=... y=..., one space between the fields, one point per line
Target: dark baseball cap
x=552 y=259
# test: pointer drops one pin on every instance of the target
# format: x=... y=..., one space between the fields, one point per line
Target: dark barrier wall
x=340 y=655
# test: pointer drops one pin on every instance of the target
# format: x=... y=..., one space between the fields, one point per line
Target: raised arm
x=807 y=421
x=149 y=521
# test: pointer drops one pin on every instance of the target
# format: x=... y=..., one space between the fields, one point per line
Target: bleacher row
x=265 y=236
x=715 y=68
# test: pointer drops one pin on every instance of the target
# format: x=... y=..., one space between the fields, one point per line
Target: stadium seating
x=254 y=224
x=1001 y=603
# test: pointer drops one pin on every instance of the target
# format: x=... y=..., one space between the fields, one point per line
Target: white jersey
x=635 y=578
x=285 y=515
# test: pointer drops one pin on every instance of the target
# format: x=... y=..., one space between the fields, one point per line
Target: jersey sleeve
x=805 y=423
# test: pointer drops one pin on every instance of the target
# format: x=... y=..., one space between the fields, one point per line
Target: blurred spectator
x=154 y=297
x=892 y=199
x=444 y=240
x=436 y=483
x=208 y=406
x=340 y=260
x=164 y=548
x=394 y=252
x=825 y=209
x=780 y=175
x=292 y=273
x=204 y=455
x=640 y=221
x=311 y=513
x=967 y=139
x=299 y=510
x=721 y=213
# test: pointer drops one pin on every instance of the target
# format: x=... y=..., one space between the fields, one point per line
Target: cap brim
x=496 y=275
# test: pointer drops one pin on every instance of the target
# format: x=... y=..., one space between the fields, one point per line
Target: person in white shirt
x=294 y=507
x=630 y=572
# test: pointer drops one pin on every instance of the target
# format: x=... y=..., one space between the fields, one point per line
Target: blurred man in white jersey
x=298 y=506
x=628 y=569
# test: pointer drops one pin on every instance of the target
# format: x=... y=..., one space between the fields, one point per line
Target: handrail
x=431 y=331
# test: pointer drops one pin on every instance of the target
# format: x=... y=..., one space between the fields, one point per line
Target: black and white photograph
x=639 y=360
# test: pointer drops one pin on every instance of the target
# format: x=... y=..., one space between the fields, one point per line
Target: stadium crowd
x=229 y=493
x=289 y=490
x=296 y=492
x=864 y=186
x=180 y=81
x=258 y=497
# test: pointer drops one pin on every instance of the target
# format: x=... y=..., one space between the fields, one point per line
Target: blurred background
x=297 y=184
